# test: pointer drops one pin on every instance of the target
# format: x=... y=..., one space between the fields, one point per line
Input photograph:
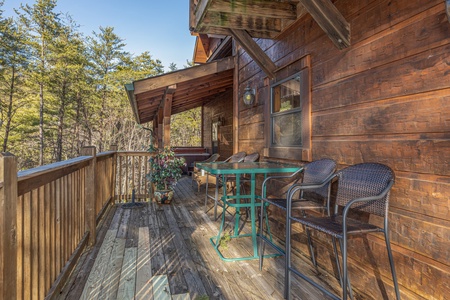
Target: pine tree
x=106 y=54
x=13 y=63
x=43 y=25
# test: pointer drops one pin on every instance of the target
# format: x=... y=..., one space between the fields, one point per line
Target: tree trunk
x=9 y=112
x=41 y=107
x=61 y=113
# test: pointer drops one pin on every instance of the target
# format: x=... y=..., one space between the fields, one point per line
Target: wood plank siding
x=386 y=98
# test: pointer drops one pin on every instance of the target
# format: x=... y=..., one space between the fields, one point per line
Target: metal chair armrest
x=308 y=186
x=280 y=177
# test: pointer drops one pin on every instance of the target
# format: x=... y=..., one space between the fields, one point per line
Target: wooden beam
x=273 y=9
x=171 y=78
x=265 y=34
x=330 y=20
x=229 y=20
x=255 y=52
x=200 y=11
x=447 y=8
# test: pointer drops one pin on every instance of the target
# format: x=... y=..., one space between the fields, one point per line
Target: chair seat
x=333 y=225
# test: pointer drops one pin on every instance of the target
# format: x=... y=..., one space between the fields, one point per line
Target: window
x=286 y=113
x=288 y=134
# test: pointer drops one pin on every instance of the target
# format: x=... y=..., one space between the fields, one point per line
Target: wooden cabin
x=369 y=82
x=355 y=81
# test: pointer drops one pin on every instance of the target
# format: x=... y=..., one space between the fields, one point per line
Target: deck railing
x=132 y=168
x=48 y=215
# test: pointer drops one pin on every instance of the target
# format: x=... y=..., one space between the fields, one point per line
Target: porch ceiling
x=190 y=88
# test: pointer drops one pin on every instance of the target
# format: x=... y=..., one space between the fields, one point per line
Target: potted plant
x=164 y=174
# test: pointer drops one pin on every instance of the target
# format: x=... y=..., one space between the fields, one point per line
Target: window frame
x=301 y=68
x=274 y=115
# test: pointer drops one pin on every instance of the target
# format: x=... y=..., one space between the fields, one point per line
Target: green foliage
x=165 y=169
x=60 y=90
x=186 y=128
x=223 y=242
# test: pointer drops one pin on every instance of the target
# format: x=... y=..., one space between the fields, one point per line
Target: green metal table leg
x=238 y=201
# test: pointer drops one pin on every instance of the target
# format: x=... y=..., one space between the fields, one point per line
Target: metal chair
x=199 y=176
x=237 y=157
x=315 y=172
x=362 y=188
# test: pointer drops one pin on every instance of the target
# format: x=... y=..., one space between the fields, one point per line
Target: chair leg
x=391 y=262
x=262 y=243
x=216 y=198
x=345 y=278
x=338 y=264
x=206 y=192
x=287 y=276
x=310 y=247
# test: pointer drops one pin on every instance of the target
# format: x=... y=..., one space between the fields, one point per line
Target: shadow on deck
x=163 y=252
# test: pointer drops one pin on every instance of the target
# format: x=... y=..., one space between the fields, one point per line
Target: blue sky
x=160 y=27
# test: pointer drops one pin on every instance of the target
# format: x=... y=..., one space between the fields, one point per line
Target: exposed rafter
x=330 y=20
x=189 y=88
x=255 y=52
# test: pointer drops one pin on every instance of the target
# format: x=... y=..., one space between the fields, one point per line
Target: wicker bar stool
x=362 y=188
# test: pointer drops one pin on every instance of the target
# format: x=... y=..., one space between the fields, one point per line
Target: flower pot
x=163 y=196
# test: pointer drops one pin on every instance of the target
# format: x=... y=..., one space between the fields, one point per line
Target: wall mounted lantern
x=249 y=95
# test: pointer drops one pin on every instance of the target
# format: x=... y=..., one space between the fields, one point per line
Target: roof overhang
x=190 y=88
x=266 y=19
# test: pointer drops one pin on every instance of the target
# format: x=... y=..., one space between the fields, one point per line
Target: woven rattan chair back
x=251 y=157
x=365 y=180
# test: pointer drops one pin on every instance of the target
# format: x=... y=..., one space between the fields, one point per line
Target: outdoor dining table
x=250 y=169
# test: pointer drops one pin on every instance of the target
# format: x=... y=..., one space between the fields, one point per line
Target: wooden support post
x=8 y=226
x=167 y=113
x=90 y=194
x=160 y=128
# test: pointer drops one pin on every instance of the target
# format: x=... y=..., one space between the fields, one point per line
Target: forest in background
x=61 y=90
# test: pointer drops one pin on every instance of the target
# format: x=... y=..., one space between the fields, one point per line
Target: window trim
x=302 y=68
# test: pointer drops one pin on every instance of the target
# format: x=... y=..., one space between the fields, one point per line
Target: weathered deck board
x=144 y=266
x=164 y=252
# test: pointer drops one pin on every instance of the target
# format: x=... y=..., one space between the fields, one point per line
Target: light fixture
x=249 y=95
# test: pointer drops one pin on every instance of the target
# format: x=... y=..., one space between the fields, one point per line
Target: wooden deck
x=164 y=253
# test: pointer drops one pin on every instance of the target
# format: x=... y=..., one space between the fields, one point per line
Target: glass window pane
x=287 y=129
x=286 y=95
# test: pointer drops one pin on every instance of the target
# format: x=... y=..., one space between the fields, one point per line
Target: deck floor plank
x=93 y=285
x=127 y=283
x=164 y=252
x=144 y=266
x=111 y=278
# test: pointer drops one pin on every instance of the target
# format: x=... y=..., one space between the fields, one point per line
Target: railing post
x=113 y=175
x=90 y=196
x=8 y=226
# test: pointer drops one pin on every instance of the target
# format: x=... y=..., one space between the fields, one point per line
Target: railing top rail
x=106 y=153
x=27 y=179
x=134 y=153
